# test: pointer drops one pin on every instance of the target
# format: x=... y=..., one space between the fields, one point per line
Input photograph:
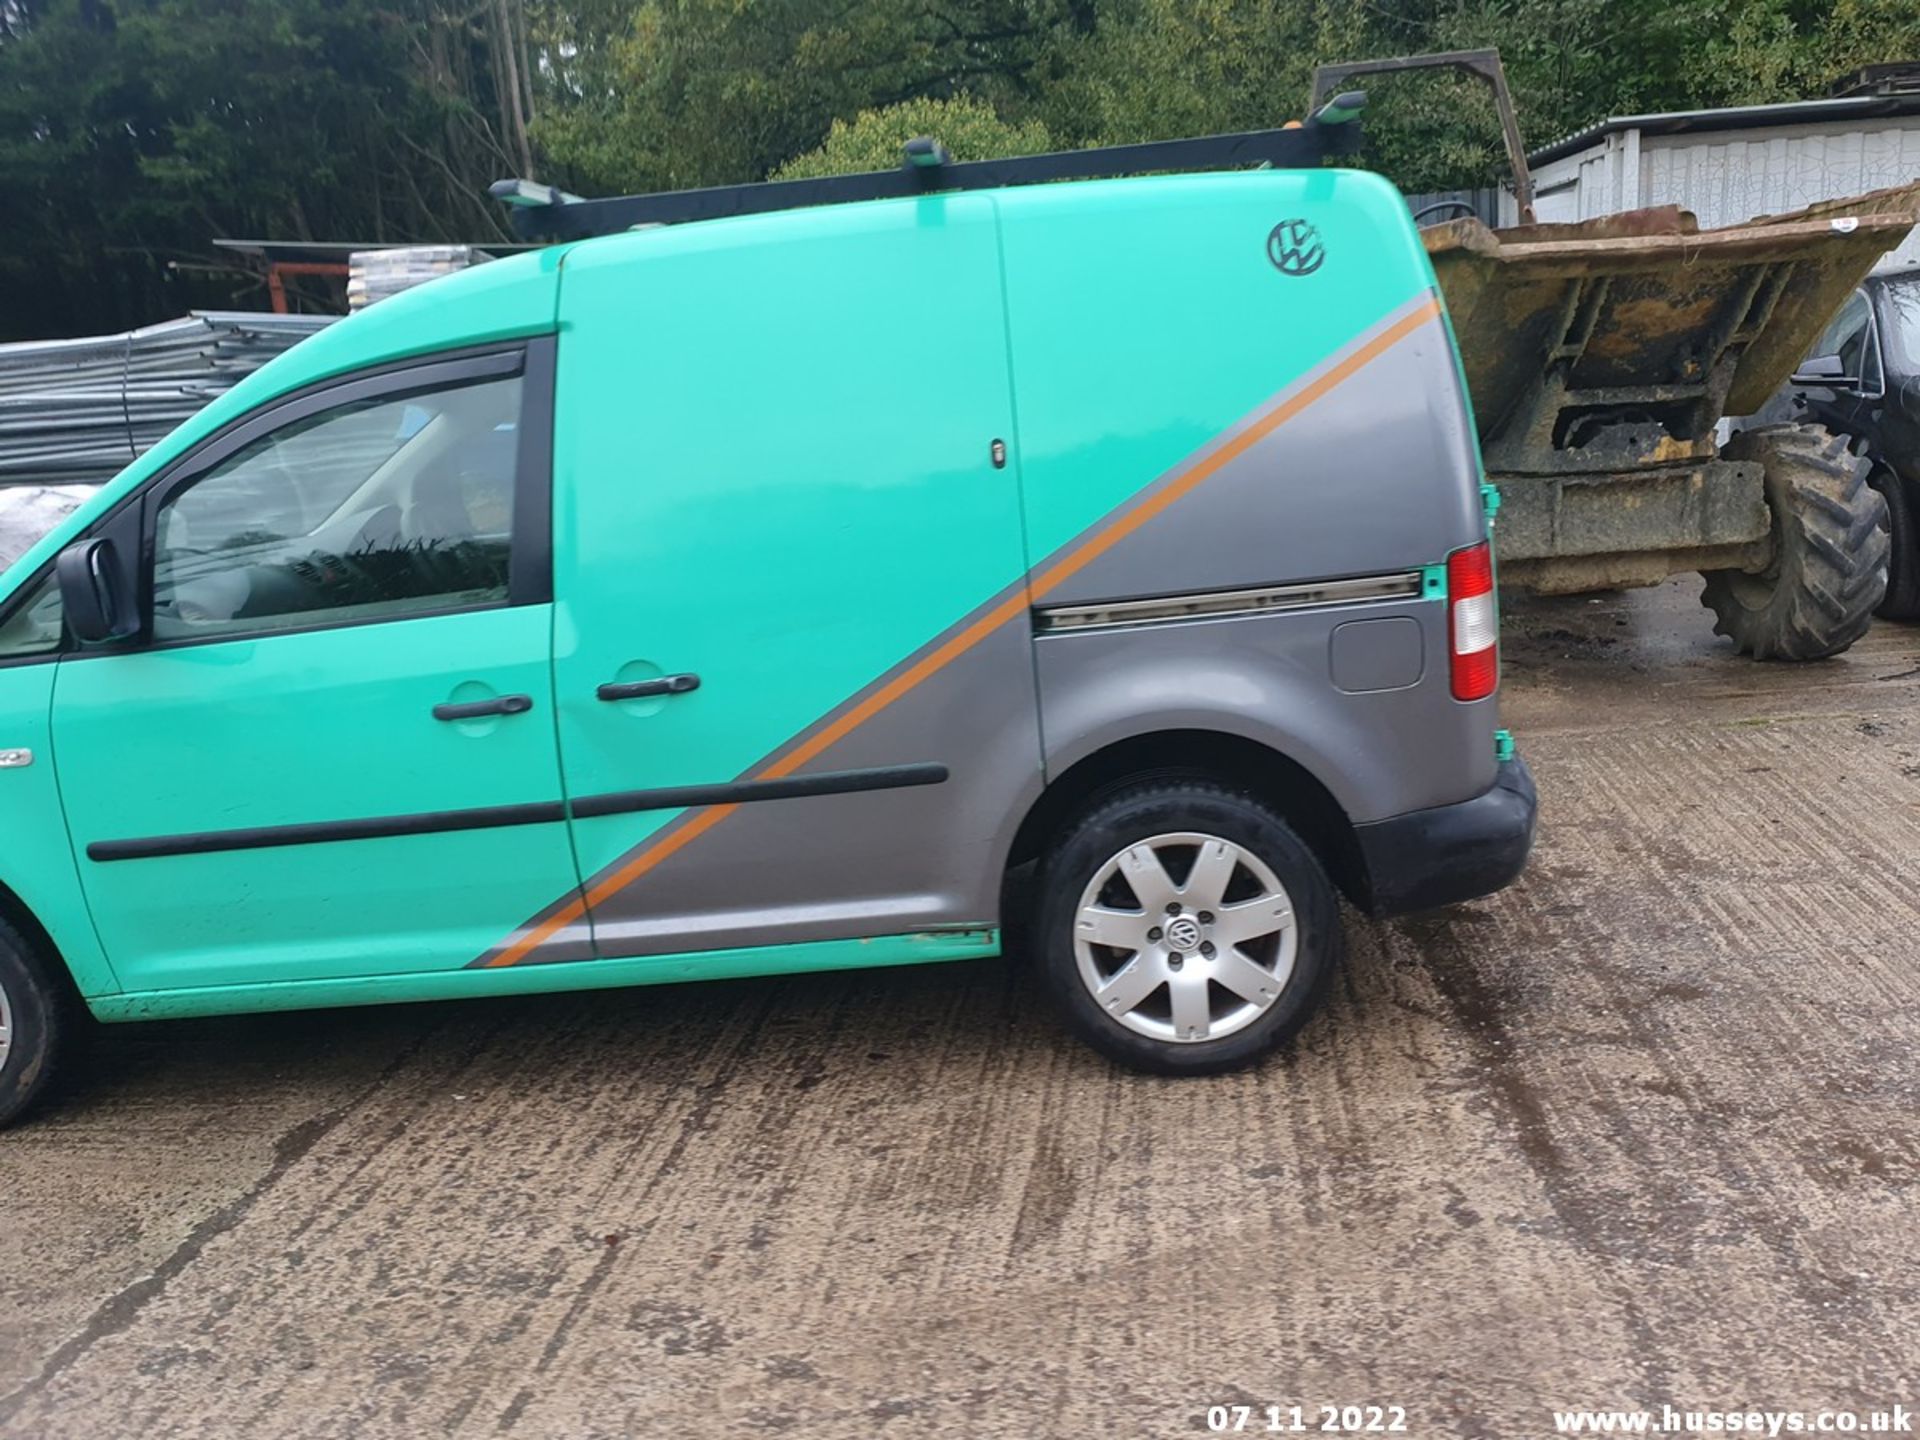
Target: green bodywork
x=801 y=402
x=464 y=984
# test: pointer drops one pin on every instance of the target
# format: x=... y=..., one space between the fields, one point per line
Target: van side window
x=34 y=626
x=373 y=511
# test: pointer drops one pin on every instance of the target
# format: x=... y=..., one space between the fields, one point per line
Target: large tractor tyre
x=1830 y=542
x=1903 y=536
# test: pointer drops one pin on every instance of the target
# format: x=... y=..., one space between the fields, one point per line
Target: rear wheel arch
x=1219 y=757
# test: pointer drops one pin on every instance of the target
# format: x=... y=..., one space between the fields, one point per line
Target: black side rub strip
x=546 y=812
x=380 y=827
x=737 y=792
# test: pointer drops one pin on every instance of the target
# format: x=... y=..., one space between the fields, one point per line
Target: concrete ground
x=1644 y=1129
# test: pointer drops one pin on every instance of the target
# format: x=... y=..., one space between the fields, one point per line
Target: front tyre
x=1184 y=928
x=1829 y=566
x=33 y=1025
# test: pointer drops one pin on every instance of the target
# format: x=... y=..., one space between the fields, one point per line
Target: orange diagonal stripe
x=1076 y=558
x=642 y=863
x=536 y=934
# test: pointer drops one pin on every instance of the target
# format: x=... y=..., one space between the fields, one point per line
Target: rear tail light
x=1473 y=624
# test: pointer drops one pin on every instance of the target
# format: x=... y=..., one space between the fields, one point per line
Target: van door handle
x=640 y=689
x=475 y=709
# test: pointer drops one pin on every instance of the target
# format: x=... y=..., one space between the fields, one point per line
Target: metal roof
x=1739 y=117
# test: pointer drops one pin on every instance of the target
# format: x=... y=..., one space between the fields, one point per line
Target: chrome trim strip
x=1110 y=614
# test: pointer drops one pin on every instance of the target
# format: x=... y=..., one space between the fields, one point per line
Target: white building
x=1731 y=165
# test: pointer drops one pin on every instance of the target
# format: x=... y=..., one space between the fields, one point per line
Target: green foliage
x=707 y=92
x=133 y=131
x=873 y=139
x=1158 y=69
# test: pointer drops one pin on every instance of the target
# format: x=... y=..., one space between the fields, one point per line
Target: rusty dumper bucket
x=1601 y=357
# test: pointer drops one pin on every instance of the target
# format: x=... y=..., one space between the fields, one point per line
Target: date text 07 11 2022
x=1308 y=1419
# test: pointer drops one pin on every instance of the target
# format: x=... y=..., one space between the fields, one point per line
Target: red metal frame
x=278 y=268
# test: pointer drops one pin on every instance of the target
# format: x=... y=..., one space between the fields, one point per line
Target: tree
x=707 y=92
x=132 y=132
x=873 y=139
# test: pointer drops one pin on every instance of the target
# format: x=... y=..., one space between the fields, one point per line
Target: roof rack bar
x=523 y=193
x=1330 y=131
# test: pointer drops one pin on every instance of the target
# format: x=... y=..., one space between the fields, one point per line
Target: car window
x=34 y=626
x=1847 y=336
x=1900 y=306
x=377 y=510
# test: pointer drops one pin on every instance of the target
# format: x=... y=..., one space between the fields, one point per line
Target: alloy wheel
x=1185 y=937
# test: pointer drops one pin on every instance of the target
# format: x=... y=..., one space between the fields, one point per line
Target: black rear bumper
x=1450 y=853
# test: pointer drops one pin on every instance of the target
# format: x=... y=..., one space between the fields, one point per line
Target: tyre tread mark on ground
x=121 y=1309
x=707 y=1095
x=1479 y=1010
x=1478 y=1015
x=328 y=1207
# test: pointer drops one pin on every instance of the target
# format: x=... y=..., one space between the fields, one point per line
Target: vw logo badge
x=1294 y=248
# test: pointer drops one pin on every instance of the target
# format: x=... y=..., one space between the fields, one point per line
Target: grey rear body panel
x=1267 y=678
x=1379 y=475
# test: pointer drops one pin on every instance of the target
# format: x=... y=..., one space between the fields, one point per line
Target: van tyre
x=1902 y=498
x=1183 y=928
x=1830 y=546
x=35 y=1024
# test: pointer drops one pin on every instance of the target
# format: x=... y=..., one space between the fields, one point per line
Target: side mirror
x=1826 y=371
x=96 y=593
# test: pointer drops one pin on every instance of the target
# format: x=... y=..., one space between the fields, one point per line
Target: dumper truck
x=1604 y=359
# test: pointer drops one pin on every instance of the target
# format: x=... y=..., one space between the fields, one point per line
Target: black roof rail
x=540 y=211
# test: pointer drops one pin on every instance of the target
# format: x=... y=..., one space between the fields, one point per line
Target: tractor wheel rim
x=1185 y=937
x=6 y=1027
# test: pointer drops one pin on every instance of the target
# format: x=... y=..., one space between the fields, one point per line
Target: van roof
x=928 y=169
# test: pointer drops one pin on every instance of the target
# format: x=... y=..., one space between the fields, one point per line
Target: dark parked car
x=1863 y=381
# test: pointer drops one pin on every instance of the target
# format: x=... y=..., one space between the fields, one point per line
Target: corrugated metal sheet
x=1839 y=111
x=74 y=413
x=1729 y=176
x=1485 y=202
x=1725 y=180
x=79 y=410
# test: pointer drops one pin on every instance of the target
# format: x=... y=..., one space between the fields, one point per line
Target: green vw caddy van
x=753 y=596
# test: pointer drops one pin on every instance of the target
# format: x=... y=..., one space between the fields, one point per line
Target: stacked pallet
x=375 y=274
